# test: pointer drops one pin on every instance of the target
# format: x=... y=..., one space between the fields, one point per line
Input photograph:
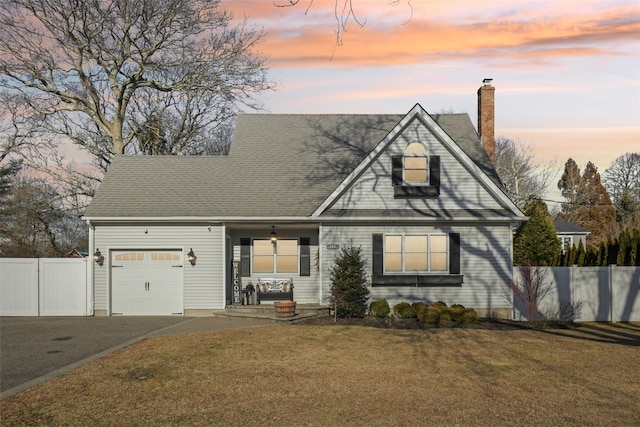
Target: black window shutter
x=305 y=256
x=378 y=255
x=454 y=253
x=245 y=257
x=434 y=170
x=396 y=170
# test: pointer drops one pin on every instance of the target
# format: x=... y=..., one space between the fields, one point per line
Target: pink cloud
x=531 y=36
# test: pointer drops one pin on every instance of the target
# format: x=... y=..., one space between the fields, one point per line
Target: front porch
x=267 y=311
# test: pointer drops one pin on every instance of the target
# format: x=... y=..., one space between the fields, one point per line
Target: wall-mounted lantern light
x=192 y=257
x=274 y=235
x=98 y=258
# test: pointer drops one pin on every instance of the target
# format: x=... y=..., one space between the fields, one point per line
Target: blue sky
x=567 y=73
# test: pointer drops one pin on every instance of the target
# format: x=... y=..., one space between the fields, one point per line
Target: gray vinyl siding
x=484 y=261
x=305 y=287
x=203 y=283
x=459 y=189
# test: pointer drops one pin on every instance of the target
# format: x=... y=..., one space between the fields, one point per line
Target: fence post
x=572 y=289
x=610 y=278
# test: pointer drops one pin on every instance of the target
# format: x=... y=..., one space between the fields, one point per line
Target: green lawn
x=352 y=376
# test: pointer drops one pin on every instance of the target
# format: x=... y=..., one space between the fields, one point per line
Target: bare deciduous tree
x=522 y=177
x=529 y=289
x=90 y=68
x=622 y=181
x=35 y=223
x=344 y=11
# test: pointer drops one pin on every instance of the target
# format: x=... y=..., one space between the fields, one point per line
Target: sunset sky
x=567 y=73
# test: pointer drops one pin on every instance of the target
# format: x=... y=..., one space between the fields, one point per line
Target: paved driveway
x=34 y=349
x=31 y=347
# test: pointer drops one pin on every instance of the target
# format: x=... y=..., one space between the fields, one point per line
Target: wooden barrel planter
x=285 y=308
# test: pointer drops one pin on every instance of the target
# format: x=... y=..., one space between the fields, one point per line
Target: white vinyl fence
x=44 y=287
x=59 y=287
x=605 y=294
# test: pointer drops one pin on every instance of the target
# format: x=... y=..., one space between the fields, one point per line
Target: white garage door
x=146 y=282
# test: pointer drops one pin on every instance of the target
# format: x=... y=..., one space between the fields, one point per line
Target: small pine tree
x=349 y=291
x=536 y=241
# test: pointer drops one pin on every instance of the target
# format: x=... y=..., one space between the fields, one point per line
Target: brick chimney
x=486 y=123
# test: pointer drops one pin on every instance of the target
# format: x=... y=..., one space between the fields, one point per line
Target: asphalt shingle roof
x=569 y=227
x=279 y=165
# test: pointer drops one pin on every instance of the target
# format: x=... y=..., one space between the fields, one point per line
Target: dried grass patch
x=349 y=375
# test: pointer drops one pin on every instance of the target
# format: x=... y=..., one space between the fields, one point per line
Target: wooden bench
x=268 y=289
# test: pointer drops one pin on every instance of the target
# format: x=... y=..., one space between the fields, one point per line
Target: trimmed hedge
x=404 y=310
x=379 y=308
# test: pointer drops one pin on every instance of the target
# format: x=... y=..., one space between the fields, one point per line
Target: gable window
x=415 y=164
x=415 y=253
x=279 y=258
x=567 y=243
x=416 y=260
x=415 y=174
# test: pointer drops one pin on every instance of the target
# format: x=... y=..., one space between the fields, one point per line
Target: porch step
x=267 y=311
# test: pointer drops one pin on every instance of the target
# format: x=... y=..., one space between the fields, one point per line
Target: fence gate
x=43 y=287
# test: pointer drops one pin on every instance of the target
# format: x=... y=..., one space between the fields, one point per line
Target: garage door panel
x=147 y=282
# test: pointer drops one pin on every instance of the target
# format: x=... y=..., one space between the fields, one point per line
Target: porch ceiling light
x=274 y=235
x=192 y=257
x=98 y=258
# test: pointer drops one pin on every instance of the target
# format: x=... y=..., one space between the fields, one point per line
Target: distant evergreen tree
x=587 y=202
x=349 y=291
x=535 y=242
x=580 y=254
x=591 y=257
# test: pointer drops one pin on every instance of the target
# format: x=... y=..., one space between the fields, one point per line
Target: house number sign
x=333 y=246
x=237 y=283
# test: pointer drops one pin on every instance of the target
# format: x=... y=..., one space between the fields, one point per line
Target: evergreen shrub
x=469 y=315
x=456 y=311
x=417 y=306
x=404 y=310
x=429 y=315
x=379 y=308
x=349 y=291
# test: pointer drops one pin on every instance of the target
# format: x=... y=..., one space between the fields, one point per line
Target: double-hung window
x=415 y=253
x=414 y=259
x=415 y=164
x=281 y=257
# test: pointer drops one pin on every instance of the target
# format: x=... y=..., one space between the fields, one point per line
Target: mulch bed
x=389 y=323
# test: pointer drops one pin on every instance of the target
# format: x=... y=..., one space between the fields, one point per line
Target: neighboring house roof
x=566 y=227
x=280 y=165
x=77 y=253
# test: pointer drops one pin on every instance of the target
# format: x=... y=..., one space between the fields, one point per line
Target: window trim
x=412 y=155
x=275 y=257
x=410 y=190
x=403 y=253
x=562 y=240
x=452 y=278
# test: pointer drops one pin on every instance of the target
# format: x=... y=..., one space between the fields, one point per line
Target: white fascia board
x=258 y=220
x=346 y=183
x=392 y=221
x=203 y=219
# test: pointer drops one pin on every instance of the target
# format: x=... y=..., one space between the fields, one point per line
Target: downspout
x=90 y=267
x=320 y=269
